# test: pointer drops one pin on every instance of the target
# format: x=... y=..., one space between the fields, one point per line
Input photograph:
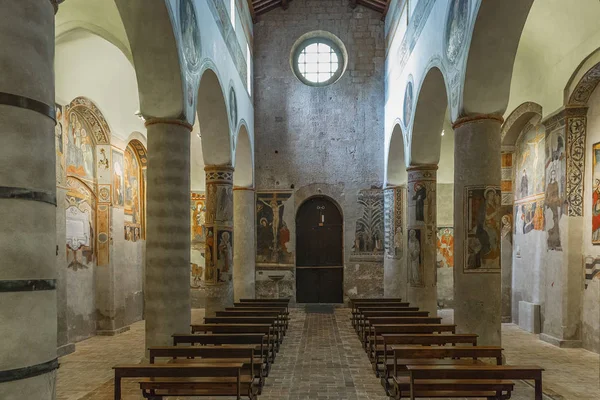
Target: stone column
x=508 y=198
x=28 y=312
x=244 y=253
x=394 y=262
x=422 y=240
x=218 y=253
x=167 y=283
x=477 y=215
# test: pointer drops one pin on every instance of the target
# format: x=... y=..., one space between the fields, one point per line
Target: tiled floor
x=321 y=358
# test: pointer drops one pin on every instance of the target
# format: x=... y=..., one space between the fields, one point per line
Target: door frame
x=343 y=266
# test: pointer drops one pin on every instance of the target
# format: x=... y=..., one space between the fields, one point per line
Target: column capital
x=168 y=121
x=469 y=119
x=423 y=167
x=219 y=174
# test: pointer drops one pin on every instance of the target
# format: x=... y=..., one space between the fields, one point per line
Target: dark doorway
x=319 y=252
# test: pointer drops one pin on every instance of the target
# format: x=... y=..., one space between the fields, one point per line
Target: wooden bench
x=273 y=320
x=478 y=376
x=266 y=329
x=281 y=310
x=358 y=317
x=374 y=334
x=210 y=379
x=253 y=366
x=365 y=327
x=284 y=300
x=256 y=312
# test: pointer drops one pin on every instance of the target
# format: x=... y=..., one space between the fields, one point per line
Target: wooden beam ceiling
x=259 y=7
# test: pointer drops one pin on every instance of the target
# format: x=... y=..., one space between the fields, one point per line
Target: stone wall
x=328 y=140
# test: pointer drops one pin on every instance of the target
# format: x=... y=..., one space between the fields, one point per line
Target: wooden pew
x=210 y=379
x=273 y=320
x=256 y=312
x=358 y=317
x=395 y=377
x=389 y=320
x=376 y=331
x=357 y=310
x=467 y=374
x=283 y=300
x=282 y=310
x=267 y=329
x=253 y=366
x=258 y=340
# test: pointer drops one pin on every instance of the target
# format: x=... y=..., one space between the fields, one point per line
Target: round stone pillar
x=218 y=252
x=421 y=237
x=28 y=311
x=167 y=287
x=244 y=252
x=477 y=227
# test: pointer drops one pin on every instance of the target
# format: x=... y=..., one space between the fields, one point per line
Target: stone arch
x=213 y=120
x=396 y=162
x=496 y=33
x=517 y=120
x=160 y=80
x=86 y=108
x=426 y=139
x=244 y=159
x=584 y=81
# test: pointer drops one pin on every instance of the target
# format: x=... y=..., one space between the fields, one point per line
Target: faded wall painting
x=368 y=234
x=224 y=256
x=59 y=144
x=555 y=184
x=445 y=247
x=79 y=148
x=530 y=162
x=118 y=178
x=394 y=231
x=198 y=217
x=415 y=258
x=596 y=194
x=272 y=231
x=210 y=269
x=80 y=217
x=529 y=215
x=133 y=182
x=456 y=29
x=592 y=269
x=482 y=228
x=408 y=102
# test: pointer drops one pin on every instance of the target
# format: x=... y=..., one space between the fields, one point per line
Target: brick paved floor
x=321 y=358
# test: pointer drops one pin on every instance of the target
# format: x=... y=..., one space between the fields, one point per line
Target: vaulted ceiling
x=259 y=7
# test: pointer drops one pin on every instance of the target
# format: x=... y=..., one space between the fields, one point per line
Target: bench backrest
x=240 y=308
x=412 y=328
x=219 y=338
x=199 y=352
x=398 y=311
x=233 y=328
x=429 y=339
x=284 y=300
x=241 y=320
x=474 y=372
x=403 y=320
x=475 y=352
x=259 y=312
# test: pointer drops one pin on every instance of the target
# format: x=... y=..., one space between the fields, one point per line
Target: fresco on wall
x=272 y=232
x=79 y=148
x=132 y=178
x=554 y=198
x=596 y=194
x=118 y=178
x=224 y=256
x=456 y=29
x=592 y=269
x=415 y=258
x=233 y=110
x=394 y=235
x=482 y=228
x=368 y=235
x=210 y=270
x=190 y=34
x=197 y=273
x=530 y=160
x=445 y=247
x=408 y=102
x=80 y=218
x=59 y=145
x=198 y=217
x=529 y=215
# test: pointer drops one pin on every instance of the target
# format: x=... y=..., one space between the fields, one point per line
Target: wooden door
x=319 y=252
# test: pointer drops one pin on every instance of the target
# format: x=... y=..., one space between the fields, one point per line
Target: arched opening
x=426 y=139
x=213 y=121
x=320 y=252
x=396 y=163
x=244 y=163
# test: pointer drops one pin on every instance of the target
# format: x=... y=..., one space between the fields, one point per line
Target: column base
x=562 y=343
x=113 y=332
x=65 y=349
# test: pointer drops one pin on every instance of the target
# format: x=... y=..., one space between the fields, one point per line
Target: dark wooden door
x=319 y=252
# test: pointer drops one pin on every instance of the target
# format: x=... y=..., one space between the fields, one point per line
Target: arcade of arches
x=205 y=151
